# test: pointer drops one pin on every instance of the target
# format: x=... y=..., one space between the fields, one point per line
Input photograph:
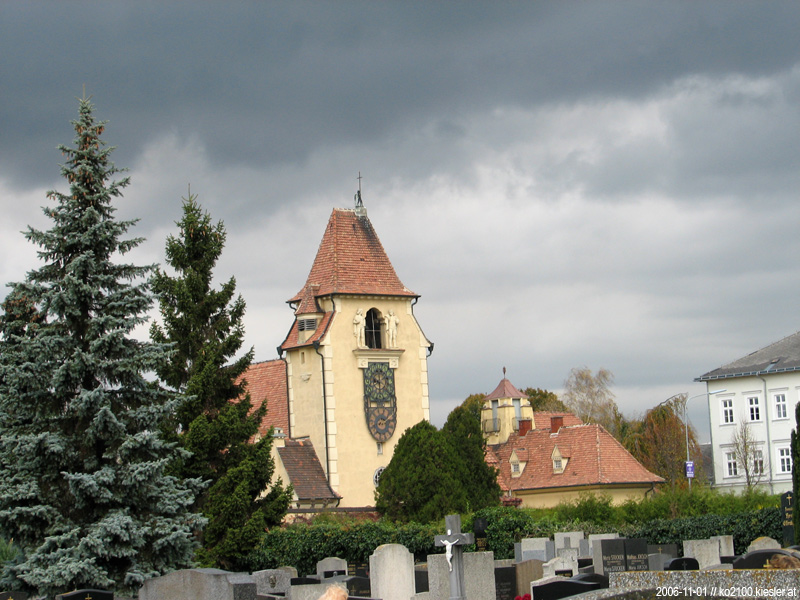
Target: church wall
x=354 y=451
x=304 y=371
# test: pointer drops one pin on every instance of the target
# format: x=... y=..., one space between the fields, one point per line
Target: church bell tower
x=356 y=357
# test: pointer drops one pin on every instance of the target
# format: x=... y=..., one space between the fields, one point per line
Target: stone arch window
x=373 y=328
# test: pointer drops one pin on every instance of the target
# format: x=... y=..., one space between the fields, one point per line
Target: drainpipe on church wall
x=324 y=412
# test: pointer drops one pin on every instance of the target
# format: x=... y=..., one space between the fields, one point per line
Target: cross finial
x=359 y=202
x=504 y=372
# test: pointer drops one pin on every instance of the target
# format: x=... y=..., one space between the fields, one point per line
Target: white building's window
x=727 y=411
x=730 y=465
x=755 y=409
x=780 y=406
x=784 y=460
x=758 y=462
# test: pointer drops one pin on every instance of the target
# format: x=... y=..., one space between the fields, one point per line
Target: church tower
x=356 y=358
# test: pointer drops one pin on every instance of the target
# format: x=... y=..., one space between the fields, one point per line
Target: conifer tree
x=83 y=489
x=215 y=422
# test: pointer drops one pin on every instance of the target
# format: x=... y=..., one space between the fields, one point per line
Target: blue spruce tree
x=83 y=489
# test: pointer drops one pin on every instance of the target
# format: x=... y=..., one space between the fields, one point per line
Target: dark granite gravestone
x=562 y=588
x=636 y=555
x=612 y=555
x=304 y=581
x=505 y=582
x=421 y=579
x=87 y=595
x=358 y=569
x=666 y=549
x=13 y=596
x=479 y=527
x=685 y=563
x=596 y=578
x=357 y=586
x=759 y=559
x=787 y=517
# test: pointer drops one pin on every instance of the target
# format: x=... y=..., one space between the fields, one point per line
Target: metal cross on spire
x=359 y=202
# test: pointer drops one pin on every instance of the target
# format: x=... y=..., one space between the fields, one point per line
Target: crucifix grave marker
x=454 y=543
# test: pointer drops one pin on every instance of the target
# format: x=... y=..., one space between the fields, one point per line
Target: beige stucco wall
x=353 y=452
x=551 y=498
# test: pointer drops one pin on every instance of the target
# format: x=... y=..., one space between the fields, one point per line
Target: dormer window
x=559 y=461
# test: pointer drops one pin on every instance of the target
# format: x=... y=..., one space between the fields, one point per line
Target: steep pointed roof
x=505 y=389
x=351 y=260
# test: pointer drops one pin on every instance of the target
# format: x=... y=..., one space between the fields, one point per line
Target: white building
x=761 y=392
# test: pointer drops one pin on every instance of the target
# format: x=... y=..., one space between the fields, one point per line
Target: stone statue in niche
x=391 y=322
x=359 y=328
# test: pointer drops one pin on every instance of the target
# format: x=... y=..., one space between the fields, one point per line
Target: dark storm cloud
x=265 y=83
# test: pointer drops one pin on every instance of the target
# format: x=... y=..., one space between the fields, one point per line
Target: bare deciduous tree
x=589 y=396
x=750 y=459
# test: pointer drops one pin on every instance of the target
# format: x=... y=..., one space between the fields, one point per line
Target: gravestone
x=454 y=543
x=705 y=551
x=13 y=596
x=636 y=555
x=421 y=578
x=86 y=595
x=358 y=569
x=560 y=566
x=685 y=563
x=609 y=556
x=763 y=543
x=787 y=518
x=505 y=580
x=478 y=576
x=479 y=527
x=666 y=549
x=391 y=572
x=725 y=545
x=308 y=580
x=331 y=566
x=274 y=581
x=357 y=586
x=568 y=539
x=528 y=571
x=555 y=588
x=191 y=584
x=543 y=549
x=759 y=559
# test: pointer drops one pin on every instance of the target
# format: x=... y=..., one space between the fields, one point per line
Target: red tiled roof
x=595 y=458
x=351 y=260
x=305 y=471
x=266 y=382
x=505 y=389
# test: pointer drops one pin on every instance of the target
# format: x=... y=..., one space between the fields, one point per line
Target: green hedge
x=302 y=546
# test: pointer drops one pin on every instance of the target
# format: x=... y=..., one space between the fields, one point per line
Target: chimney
x=524 y=426
x=556 y=423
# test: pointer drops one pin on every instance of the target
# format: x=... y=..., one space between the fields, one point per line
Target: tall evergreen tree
x=478 y=478
x=83 y=492
x=216 y=422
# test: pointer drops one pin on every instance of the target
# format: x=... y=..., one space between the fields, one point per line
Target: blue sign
x=690 y=468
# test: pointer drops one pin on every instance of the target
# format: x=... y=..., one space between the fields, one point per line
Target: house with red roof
x=544 y=458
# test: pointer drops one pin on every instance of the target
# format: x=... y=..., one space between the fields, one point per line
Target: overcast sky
x=600 y=184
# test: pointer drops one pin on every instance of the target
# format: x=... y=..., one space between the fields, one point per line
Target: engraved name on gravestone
x=612 y=556
x=636 y=556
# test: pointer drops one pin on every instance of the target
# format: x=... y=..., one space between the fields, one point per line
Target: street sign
x=689 y=468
